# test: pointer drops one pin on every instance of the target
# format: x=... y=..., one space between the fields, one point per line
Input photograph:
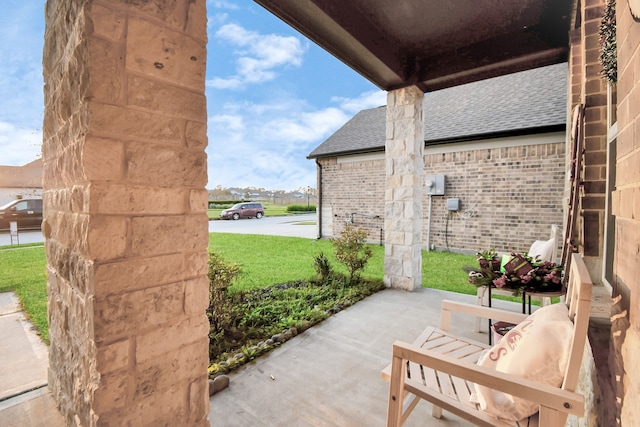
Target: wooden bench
x=441 y=368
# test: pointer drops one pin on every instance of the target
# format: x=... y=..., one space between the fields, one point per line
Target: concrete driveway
x=23 y=237
x=300 y=225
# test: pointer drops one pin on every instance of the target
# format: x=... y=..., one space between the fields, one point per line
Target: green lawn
x=23 y=271
x=294 y=260
x=263 y=260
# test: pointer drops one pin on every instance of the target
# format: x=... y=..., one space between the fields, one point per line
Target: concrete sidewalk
x=24 y=397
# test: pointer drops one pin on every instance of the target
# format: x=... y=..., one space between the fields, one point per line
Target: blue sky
x=272 y=95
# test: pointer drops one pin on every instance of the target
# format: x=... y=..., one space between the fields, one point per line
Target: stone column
x=404 y=148
x=125 y=211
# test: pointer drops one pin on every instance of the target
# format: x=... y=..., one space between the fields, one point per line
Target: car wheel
x=235 y=216
x=259 y=215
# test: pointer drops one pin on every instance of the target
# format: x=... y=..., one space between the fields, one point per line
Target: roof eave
x=433 y=142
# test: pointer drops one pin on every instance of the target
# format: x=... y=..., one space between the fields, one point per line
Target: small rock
x=269 y=342
x=239 y=356
x=277 y=338
x=217 y=384
x=294 y=331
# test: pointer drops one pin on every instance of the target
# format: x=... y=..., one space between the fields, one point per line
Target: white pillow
x=543 y=249
x=537 y=349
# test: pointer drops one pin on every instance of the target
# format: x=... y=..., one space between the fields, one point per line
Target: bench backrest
x=578 y=299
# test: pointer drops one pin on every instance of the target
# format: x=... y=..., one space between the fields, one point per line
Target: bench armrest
x=545 y=395
x=447 y=307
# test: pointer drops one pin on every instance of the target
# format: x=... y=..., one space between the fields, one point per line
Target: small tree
x=351 y=250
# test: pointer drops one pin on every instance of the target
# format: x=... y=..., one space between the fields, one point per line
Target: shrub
x=222 y=310
x=323 y=268
x=352 y=251
x=301 y=208
x=220 y=205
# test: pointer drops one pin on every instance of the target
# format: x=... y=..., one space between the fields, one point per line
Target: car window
x=22 y=206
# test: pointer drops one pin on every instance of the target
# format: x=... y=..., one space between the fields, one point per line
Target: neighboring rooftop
x=527 y=102
x=27 y=176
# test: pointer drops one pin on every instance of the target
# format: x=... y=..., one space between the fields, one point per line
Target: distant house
x=500 y=144
x=20 y=181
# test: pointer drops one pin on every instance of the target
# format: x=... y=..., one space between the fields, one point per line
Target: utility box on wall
x=453 y=204
x=434 y=185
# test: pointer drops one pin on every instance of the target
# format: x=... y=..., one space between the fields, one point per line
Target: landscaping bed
x=262 y=319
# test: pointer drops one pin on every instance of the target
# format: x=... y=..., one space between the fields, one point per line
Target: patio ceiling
x=433 y=44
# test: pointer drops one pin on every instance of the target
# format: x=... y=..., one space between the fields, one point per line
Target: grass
x=444 y=271
x=440 y=270
x=23 y=271
x=269 y=260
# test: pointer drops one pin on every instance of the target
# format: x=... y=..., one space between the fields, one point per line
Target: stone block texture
x=404 y=165
x=125 y=211
x=509 y=197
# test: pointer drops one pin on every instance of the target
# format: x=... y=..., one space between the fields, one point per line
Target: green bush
x=351 y=250
x=220 y=205
x=301 y=208
x=222 y=312
x=323 y=268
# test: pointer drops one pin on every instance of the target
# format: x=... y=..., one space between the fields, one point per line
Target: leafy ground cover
x=247 y=322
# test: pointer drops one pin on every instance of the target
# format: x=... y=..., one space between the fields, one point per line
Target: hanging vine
x=608 y=53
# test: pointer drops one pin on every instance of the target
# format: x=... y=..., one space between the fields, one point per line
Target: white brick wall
x=510 y=194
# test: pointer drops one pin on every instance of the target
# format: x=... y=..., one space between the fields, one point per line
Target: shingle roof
x=527 y=102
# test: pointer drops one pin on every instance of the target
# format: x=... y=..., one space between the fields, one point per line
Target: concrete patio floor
x=327 y=376
x=330 y=374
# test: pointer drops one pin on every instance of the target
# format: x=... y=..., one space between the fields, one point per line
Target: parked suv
x=243 y=210
x=26 y=212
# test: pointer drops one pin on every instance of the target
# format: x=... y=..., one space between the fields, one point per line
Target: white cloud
x=21 y=80
x=373 y=99
x=305 y=127
x=19 y=145
x=266 y=145
x=222 y=4
x=259 y=56
x=215 y=20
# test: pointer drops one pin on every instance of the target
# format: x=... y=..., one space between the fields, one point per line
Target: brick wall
x=626 y=208
x=125 y=211
x=593 y=95
x=509 y=196
x=353 y=187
